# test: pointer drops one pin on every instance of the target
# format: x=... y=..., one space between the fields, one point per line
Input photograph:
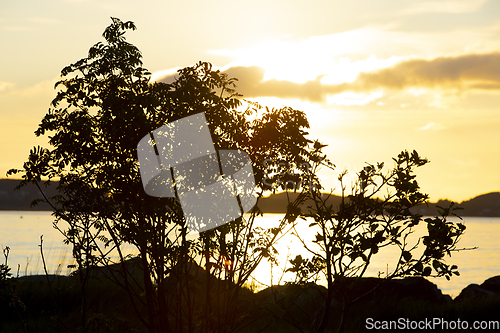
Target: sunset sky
x=374 y=77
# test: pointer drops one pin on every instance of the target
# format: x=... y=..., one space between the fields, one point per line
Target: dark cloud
x=474 y=71
x=251 y=84
x=168 y=78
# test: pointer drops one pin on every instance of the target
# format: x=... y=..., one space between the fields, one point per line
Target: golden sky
x=374 y=77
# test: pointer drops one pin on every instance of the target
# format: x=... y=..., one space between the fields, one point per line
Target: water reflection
x=22 y=235
x=474 y=266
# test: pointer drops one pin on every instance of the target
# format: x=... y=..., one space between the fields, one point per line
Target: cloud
x=165 y=76
x=472 y=71
x=5 y=86
x=432 y=126
x=447 y=6
x=251 y=83
x=25 y=103
x=349 y=98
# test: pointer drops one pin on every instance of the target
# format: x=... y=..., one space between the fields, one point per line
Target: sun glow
x=351 y=98
x=332 y=58
x=283 y=60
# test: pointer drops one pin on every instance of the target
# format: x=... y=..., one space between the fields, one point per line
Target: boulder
x=492 y=284
x=301 y=305
x=370 y=290
x=414 y=288
x=418 y=288
x=490 y=287
x=41 y=279
x=473 y=291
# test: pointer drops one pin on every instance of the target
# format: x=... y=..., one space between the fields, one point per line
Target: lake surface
x=21 y=232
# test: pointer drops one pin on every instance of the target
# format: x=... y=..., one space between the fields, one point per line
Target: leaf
x=319 y=238
x=406 y=255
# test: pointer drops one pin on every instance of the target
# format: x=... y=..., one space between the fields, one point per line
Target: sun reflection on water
x=475 y=266
x=22 y=235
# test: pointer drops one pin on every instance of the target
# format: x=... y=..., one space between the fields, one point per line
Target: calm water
x=21 y=232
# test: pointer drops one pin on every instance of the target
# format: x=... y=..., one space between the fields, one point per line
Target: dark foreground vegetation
x=105 y=105
x=53 y=304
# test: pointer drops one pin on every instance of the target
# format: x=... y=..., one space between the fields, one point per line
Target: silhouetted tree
x=104 y=105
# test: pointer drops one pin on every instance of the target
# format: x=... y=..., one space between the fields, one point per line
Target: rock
x=41 y=279
x=490 y=287
x=473 y=291
x=414 y=288
x=300 y=304
x=298 y=294
x=492 y=284
x=364 y=290
x=420 y=288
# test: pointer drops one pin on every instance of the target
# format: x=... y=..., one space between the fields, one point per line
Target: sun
x=308 y=59
x=282 y=60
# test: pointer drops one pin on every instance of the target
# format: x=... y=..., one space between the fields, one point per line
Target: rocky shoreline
x=416 y=288
x=282 y=308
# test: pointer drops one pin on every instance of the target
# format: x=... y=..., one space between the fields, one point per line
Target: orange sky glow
x=374 y=77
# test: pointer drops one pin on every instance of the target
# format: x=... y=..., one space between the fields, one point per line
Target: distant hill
x=12 y=199
x=487 y=205
x=483 y=205
x=277 y=203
